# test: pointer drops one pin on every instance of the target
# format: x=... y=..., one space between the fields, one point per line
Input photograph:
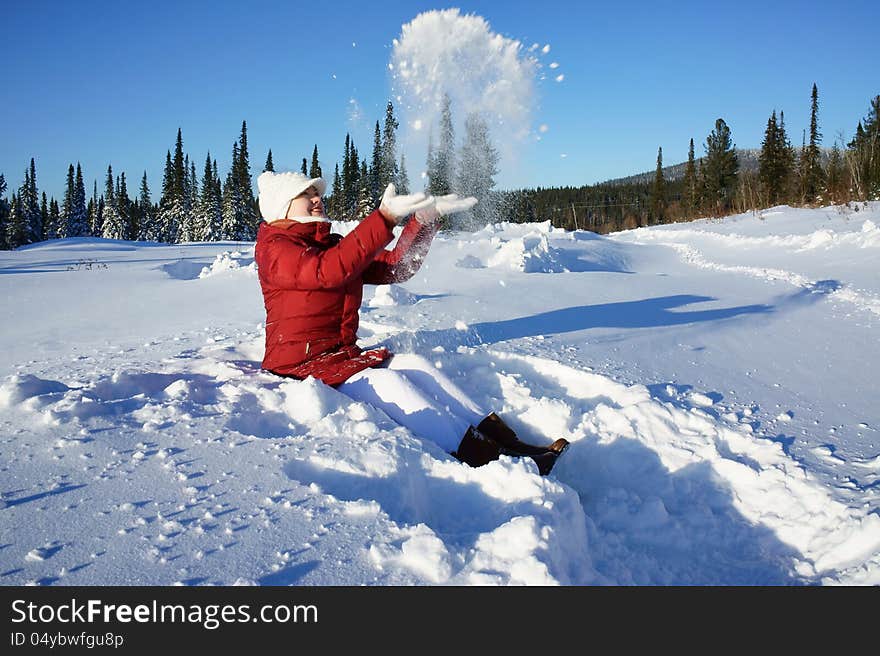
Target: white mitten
x=451 y=203
x=443 y=205
x=396 y=207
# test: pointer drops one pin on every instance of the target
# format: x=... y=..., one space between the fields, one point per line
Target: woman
x=312 y=282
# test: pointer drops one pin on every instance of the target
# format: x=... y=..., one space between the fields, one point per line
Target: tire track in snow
x=843 y=293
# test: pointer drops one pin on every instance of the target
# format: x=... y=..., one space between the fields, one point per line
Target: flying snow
x=445 y=52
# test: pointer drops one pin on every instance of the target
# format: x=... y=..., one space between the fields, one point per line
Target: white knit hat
x=276 y=190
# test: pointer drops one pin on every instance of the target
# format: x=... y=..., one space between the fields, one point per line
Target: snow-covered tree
x=114 y=226
x=389 y=171
x=78 y=220
x=402 y=177
x=209 y=213
x=4 y=212
x=63 y=230
x=146 y=225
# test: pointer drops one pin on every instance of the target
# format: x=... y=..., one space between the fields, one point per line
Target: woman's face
x=308 y=203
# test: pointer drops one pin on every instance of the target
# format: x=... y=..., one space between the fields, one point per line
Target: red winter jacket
x=312 y=284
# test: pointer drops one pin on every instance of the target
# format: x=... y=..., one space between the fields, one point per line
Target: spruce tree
x=209 y=215
x=123 y=206
x=269 y=166
x=78 y=222
x=146 y=217
x=166 y=219
x=114 y=227
x=344 y=203
x=477 y=168
x=64 y=229
x=365 y=195
x=96 y=219
x=691 y=197
x=353 y=187
x=376 y=166
x=16 y=230
x=54 y=220
x=29 y=203
x=315 y=168
x=402 y=177
x=239 y=208
x=389 y=171
x=333 y=209
x=304 y=168
x=4 y=212
x=815 y=176
x=44 y=219
x=658 y=192
x=776 y=161
x=720 y=169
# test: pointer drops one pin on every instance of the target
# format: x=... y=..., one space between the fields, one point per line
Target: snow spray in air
x=445 y=53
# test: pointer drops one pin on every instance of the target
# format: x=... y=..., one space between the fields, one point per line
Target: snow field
x=170 y=458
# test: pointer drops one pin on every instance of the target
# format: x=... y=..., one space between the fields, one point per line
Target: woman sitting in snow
x=312 y=282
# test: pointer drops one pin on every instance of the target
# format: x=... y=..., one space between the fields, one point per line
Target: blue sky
x=110 y=82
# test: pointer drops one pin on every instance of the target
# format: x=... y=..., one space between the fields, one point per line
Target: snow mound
x=229 y=261
x=391 y=295
x=531 y=253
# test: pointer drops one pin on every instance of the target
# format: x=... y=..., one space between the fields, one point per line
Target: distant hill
x=748 y=161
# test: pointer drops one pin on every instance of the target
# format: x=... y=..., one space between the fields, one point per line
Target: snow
x=715 y=380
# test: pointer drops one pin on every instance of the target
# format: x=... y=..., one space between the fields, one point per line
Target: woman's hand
x=394 y=208
x=444 y=205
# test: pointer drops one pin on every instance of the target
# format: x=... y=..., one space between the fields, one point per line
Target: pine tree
x=441 y=161
x=691 y=195
x=658 y=192
x=304 y=168
x=477 y=168
x=269 y=166
x=315 y=168
x=64 y=228
x=720 y=169
x=389 y=171
x=815 y=176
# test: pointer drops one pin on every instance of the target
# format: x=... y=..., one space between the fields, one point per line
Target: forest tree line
x=211 y=209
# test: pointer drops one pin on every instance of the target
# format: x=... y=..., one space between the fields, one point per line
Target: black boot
x=545 y=456
x=476 y=449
